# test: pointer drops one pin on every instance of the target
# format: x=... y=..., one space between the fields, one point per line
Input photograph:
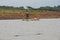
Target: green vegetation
x=10 y=9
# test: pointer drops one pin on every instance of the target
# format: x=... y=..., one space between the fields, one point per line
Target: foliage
x=47 y=8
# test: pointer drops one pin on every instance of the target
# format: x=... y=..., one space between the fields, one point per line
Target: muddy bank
x=37 y=15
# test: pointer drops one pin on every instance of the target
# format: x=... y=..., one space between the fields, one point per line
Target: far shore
x=37 y=15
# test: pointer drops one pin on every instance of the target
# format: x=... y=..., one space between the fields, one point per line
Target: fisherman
x=27 y=15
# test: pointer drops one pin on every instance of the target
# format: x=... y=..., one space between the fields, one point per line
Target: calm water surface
x=44 y=29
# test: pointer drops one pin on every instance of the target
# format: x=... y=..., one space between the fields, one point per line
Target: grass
x=5 y=11
x=8 y=13
x=34 y=13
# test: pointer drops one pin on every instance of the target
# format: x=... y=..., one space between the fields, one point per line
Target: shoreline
x=37 y=15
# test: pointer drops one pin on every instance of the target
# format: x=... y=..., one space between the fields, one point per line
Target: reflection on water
x=32 y=19
x=29 y=20
x=44 y=29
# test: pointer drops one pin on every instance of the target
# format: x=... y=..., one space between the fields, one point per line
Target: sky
x=32 y=3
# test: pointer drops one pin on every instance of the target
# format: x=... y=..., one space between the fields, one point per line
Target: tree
x=31 y=8
x=21 y=8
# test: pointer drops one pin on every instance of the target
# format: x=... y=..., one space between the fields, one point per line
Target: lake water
x=44 y=29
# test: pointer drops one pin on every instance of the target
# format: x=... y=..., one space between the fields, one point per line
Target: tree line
x=47 y=8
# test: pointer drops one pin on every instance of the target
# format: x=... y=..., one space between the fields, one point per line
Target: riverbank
x=38 y=15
